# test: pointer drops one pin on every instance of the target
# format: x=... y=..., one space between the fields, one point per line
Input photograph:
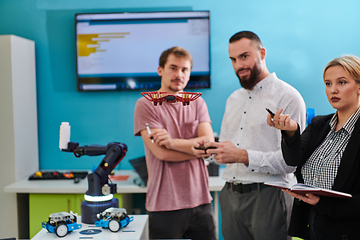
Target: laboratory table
x=24 y=186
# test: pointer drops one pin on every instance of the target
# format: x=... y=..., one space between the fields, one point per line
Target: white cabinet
x=18 y=123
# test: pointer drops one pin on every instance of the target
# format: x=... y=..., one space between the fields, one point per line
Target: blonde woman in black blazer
x=327 y=155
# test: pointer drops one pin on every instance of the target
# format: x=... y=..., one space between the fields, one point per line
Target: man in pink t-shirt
x=178 y=200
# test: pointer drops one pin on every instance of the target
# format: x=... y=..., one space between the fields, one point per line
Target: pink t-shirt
x=174 y=185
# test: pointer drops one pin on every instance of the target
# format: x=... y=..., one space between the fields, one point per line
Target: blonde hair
x=350 y=63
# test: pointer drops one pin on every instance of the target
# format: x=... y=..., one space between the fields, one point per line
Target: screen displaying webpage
x=122 y=50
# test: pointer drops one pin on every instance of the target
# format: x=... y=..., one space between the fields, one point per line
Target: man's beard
x=250 y=82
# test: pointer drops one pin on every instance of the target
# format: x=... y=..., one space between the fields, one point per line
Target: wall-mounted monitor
x=120 y=51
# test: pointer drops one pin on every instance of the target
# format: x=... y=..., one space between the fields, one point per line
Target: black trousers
x=191 y=223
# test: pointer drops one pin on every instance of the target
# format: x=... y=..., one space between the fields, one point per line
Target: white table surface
x=68 y=186
x=137 y=229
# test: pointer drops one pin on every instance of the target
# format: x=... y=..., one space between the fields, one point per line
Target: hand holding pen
x=149 y=131
x=160 y=136
x=282 y=122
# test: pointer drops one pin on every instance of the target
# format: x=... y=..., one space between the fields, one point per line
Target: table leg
x=216 y=212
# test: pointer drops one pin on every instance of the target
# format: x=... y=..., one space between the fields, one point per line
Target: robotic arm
x=98 y=180
x=99 y=195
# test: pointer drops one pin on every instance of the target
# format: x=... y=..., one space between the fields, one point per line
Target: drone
x=160 y=97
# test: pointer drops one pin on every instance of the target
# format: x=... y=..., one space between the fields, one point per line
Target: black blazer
x=339 y=216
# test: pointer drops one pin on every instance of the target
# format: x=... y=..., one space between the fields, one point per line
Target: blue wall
x=300 y=36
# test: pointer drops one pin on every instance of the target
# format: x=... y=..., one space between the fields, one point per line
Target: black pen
x=271 y=113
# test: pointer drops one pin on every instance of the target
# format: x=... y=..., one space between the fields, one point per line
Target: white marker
x=149 y=131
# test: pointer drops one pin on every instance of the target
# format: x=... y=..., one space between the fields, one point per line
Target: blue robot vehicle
x=113 y=218
x=61 y=223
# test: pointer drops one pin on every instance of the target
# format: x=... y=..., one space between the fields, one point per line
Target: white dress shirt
x=244 y=124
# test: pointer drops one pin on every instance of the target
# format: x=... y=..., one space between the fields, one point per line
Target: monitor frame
x=148 y=80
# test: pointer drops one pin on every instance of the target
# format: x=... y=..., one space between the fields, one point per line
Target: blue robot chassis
x=61 y=223
x=114 y=219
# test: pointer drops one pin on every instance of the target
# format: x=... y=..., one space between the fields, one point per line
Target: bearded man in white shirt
x=251 y=149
